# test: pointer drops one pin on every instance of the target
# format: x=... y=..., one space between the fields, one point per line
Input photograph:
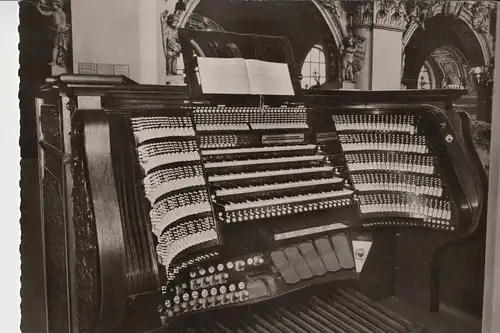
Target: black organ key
x=298 y=263
x=388 y=313
x=317 y=319
x=221 y=328
x=279 y=324
x=267 y=325
x=284 y=267
x=260 y=329
x=249 y=329
x=369 y=312
x=363 y=314
x=312 y=259
x=343 y=250
x=297 y=320
x=327 y=254
x=344 y=317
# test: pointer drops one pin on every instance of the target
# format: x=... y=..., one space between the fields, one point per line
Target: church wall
x=150 y=39
x=107 y=32
x=386 y=71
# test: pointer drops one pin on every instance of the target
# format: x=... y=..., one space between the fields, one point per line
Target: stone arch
x=448 y=65
x=327 y=8
x=440 y=31
x=458 y=10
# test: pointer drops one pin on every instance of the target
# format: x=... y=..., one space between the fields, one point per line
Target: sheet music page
x=269 y=78
x=223 y=76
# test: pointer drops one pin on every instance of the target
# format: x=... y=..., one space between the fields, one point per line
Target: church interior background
x=415 y=44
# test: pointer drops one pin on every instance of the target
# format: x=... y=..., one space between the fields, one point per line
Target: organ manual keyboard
x=165 y=211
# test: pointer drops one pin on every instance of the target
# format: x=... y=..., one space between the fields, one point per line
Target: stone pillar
x=389 y=22
x=377 y=29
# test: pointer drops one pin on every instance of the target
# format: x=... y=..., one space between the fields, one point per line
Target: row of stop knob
x=206 y=300
x=255 y=260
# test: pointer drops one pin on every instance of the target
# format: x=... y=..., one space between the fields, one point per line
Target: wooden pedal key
x=327 y=254
x=298 y=263
x=312 y=259
x=284 y=267
x=343 y=250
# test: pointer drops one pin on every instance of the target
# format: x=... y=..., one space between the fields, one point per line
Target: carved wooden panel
x=85 y=239
x=50 y=123
x=55 y=247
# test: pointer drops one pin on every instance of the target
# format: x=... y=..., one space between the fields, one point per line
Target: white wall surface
x=386 y=64
x=107 y=32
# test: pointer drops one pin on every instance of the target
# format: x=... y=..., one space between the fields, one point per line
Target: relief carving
x=480 y=19
x=50 y=124
x=480 y=12
x=359 y=14
x=352 y=58
x=390 y=14
x=86 y=250
x=55 y=247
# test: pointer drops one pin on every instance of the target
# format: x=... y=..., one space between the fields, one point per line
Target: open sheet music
x=244 y=76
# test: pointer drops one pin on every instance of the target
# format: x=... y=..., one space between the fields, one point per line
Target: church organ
x=169 y=211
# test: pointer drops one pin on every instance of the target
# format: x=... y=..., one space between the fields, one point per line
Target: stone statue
x=352 y=57
x=171 y=45
x=60 y=28
x=347 y=63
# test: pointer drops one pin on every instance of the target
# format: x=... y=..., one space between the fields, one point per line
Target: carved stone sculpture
x=352 y=58
x=391 y=14
x=359 y=13
x=60 y=28
x=171 y=45
x=480 y=11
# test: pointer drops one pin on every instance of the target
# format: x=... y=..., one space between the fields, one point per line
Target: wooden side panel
x=110 y=237
x=54 y=218
x=86 y=281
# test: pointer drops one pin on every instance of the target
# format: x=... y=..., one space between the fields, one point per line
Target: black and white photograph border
x=10 y=230
x=257 y=166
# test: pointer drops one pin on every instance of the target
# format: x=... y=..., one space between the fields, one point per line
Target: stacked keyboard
x=278 y=174
x=394 y=171
x=174 y=184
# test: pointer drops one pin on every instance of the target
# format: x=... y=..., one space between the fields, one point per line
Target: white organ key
x=223 y=164
x=164 y=159
x=216 y=152
x=259 y=174
x=271 y=187
x=287 y=200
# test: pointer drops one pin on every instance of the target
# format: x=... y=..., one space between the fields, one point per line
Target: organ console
x=168 y=211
